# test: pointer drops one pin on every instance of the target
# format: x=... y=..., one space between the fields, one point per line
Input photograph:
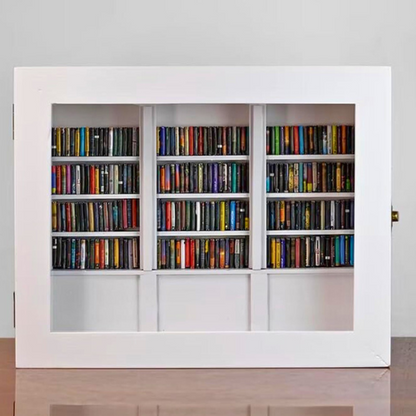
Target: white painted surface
x=204 y=303
x=92 y=303
x=311 y=302
x=367 y=345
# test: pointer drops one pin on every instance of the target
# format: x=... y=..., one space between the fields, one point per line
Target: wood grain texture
x=202 y=392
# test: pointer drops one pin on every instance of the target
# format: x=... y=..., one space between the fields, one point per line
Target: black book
x=315 y=140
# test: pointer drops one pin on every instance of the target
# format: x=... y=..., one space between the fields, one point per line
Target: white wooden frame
x=37 y=89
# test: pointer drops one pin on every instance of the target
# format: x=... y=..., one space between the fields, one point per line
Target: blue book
x=300 y=181
x=115 y=216
x=232 y=215
x=352 y=250
x=272 y=218
x=163 y=218
x=162 y=141
x=167 y=179
x=54 y=181
x=73 y=253
x=342 y=249
x=301 y=141
x=282 y=253
x=82 y=144
x=215 y=177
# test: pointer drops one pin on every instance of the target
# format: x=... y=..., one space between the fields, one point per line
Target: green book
x=337 y=259
x=277 y=140
x=233 y=177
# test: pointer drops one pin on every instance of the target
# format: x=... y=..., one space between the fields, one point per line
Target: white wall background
x=221 y=32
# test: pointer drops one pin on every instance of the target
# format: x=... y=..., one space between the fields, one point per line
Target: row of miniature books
x=95 y=141
x=310 y=215
x=202 y=140
x=310 y=251
x=309 y=177
x=202 y=253
x=80 y=179
x=215 y=215
x=203 y=178
x=93 y=216
x=95 y=253
x=310 y=140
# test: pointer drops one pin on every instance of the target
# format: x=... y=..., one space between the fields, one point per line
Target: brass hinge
x=14 y=309
x=13 y=121
x=394 y=216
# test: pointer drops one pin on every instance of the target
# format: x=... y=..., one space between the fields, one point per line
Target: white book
x=317 y=251
x=83 y=251
x=111 y=179
x=198 y=215
x=173 y=215
x=182 y=254
x=332 y=215
x=110 y=142
x=78 y=180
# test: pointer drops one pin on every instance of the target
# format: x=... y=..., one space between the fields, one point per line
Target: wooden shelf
x=301 y=233
x=118 y=234
x=95 y=196
x=93 y=159
x=204 y=196
x=311 y=195
x=202 y=233
x=310 y=158
x=210 y=158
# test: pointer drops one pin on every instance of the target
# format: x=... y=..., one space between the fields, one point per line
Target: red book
x=297 y=252
x=102 y=253
x=187 y=254
x=168 y=216
x=58 y=180
x=125 y=225
x=212 y=253
x=134 y=213
x=68 y=216
x=201 y=142
x=191 y=141
x=92 y=180
x=192 y=254
x=296 y=134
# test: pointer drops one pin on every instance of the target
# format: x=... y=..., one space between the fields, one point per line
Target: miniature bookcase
x=203 y=217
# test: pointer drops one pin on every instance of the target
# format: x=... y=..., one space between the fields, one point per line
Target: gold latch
x=394 y=216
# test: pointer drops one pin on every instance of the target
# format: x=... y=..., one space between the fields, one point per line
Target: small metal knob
x=394 y=216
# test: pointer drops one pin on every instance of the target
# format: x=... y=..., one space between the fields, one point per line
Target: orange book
x=68 y=217
x=224 y=140
x=212 y=253
x=97 y=254
x=102 y=253
x=222 y=254
x=162 y=179
x=287 y=140
x=178 y=254
x=243 y=140
x=296 y=137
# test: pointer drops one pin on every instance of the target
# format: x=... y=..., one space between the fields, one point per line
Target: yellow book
x=287 y=140
x=54 y=216
x=278 y=253
x=87 y=141
x=58 y=142
x=334 y=140
x=246 y=223
x=308 y=217
x=91 y=215
x=116 y=253
x=63 y=179
x=273 y=253
x=77 y=142
x=291 y=179
x=97 y=179
x=222 y=216
x=338 y=182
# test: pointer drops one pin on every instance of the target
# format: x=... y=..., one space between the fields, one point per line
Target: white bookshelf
x=216 y=317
